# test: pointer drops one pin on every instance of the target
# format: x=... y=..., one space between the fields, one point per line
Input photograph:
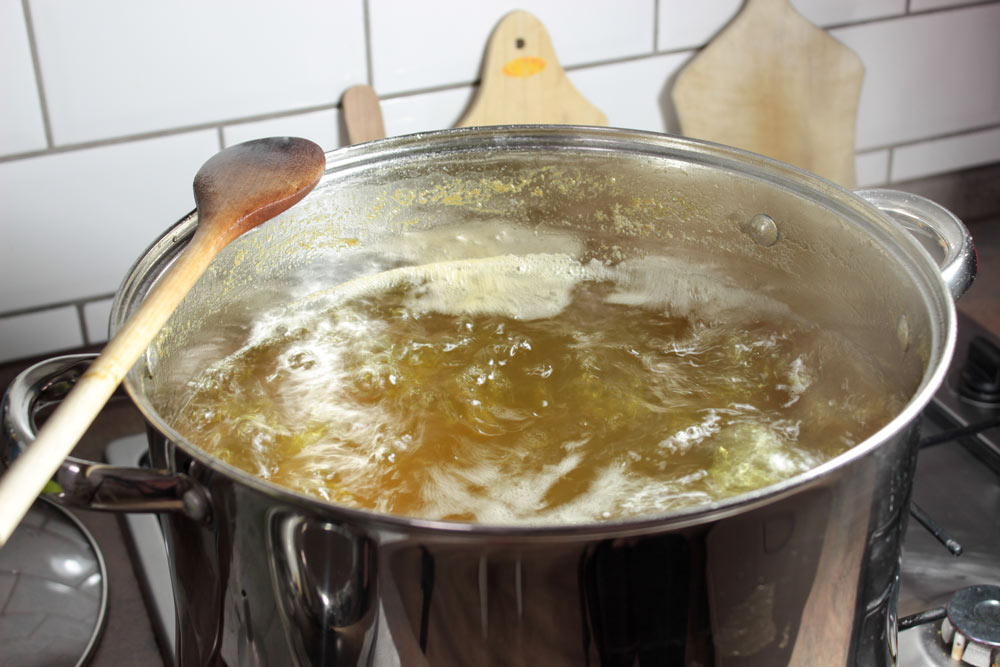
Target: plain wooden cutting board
x=773 y=83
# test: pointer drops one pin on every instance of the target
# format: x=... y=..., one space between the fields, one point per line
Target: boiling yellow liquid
x=532 y=389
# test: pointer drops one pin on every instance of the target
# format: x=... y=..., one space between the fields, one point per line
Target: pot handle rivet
x=903 y=332
x=763 y=229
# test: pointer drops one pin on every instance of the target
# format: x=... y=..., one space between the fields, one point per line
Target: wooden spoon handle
x=235 y=190
x=32 y=470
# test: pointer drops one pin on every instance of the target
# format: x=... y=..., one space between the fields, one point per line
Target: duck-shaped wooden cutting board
x=774 y=83
x=523 y=82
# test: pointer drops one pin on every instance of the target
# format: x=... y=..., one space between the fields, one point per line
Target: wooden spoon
x=235 y=191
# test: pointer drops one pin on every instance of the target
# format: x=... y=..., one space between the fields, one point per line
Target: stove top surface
x=958 y=486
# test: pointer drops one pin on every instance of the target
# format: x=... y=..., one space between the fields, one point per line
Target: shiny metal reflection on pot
x=803 y=572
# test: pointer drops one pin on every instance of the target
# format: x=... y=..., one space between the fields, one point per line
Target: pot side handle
x=85 y=484
x=936 y=228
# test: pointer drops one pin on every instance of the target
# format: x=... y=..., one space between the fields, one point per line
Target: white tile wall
x=633 y=94
x=829 y=12
x=323 y=127
x=138 y=94
x=21 y=127
x=923 y=5
x=429 y=44
x=28 y=335
x=682 y=24
x=927 y=75
x=871 y=168
x=186 y=62
x=426 y=111
x=944 y=155
x=76 y=221
x=96 y=317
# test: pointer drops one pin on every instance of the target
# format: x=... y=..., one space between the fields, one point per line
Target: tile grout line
x=37 y=66
x=568 y=68
x=83 y=324
x=907 y=13
x=220 y=124
x=82 y=302
x=656 y=25
x=911 y=9
x=157 y=134
x=369 y=67
x=933 y=137
x=69 y=303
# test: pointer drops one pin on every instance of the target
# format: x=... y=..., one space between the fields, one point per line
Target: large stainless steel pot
x=803 y=572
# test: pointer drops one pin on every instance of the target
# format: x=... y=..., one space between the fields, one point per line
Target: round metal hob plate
x=53 y=591
x=975 y=612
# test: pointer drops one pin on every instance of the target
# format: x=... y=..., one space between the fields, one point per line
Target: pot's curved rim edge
x=599 y=138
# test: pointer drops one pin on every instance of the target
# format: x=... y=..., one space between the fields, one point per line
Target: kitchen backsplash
x=110 y=106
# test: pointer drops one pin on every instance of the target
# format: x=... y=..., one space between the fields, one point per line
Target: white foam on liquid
x=523 y=286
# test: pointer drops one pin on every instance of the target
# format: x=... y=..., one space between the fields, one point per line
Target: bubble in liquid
x=301 y=360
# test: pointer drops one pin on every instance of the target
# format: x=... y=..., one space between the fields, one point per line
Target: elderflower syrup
x=534 y=388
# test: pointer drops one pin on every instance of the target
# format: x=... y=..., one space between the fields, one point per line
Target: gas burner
x=968 y=635
x=972 y=627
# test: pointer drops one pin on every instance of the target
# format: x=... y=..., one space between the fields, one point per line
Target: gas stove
x=950 y=583
x=949 y=602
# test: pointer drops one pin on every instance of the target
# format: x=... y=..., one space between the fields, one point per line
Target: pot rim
x=469 y=140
